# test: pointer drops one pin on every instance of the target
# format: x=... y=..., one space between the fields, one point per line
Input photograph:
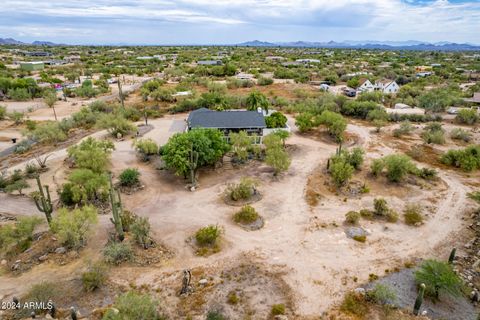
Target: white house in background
x=244 y=76
x=387 y=86
x=365 y=85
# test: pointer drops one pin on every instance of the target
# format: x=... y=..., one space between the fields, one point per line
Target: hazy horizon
x=190 y=22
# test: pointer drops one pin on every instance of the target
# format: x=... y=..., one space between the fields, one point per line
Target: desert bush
x=426 y=173
x=132 y=305
x=208 y=236
x=278 y=309
x=129 y=177
x=244 y=190
x=19 y=94
x=240 y=142
x=275 y=155
x=382 y=294
x=392 y=216
x=438 y=277
x=467 y=116
x=354 y=304
x=86 y=186
x=433 y=133
x=352 y=217
x=117 y=252
x=246 y=215
x=341 y=172
x=94 y=277
x=3 y=112
x=264 y=81
x=334 y=122
x=73 y=227
x=412 y=214
x=460 y=134
x=355 y=157
x=276 y=120
x=381 y=207
x=17 y=185
x=18 y=237
x=405 y=128
x=31 y=170
x=141 y=232
x=215 y=315
x=92 y=154
x=40 y=293
x=116 y=124
x=467 y=159
x=146 y=148
x=367 y=214
x=48 y=132
x=398 y=166
x=377 y=166
x=85 y=118
x=23 y=146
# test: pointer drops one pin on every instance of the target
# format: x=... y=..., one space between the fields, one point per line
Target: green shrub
x=31 y=170
x=73 y=227
x=354 y=304
x=92 y=154
x=381 y=207
x=352 y=217
x=94 y=277
x=115 y=124
x=146 y=147
x=263 y=81
x=246 y=215
x=276 y=120
x=460 y=134
x=438 y=277
x=66 y=195
x=117 y=252
x=132 y=305
x=208 y=236
x=215 y=315
x=367 y=214
x=392 y=216
x=243 y=190
x=48 y=132
x=129 y=177
x=19 y=94
x=398 y=166
x=23 y=146
x=278 y=309
x=467 y=116
x=377 y=167
x=413 y=214
x=40 y=293
x=3 y=112
x=18 y=237
x=467 y=159
x=474 y=196
x=17 y=185
x=341 y=171
x=382 y=294
x=405 y=128
x=434 y=133
x=232 y=298
x=141 y=232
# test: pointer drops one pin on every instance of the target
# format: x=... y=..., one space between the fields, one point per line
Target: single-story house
x=209 y=62
x=307 y=61
x=365 y=85
x=387 y=86
x=252 y=122
x=32 y=66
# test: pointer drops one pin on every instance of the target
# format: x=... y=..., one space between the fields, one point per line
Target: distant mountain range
x=353 y=44
x=385 y=45
x=35 y=43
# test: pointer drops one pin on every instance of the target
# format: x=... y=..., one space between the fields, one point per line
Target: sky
x=234 y=21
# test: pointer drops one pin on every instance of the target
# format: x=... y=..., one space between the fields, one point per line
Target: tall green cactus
x=117 y=210
x=192 y=165
x=419 y=300
x=43 y=203
x=452 y=255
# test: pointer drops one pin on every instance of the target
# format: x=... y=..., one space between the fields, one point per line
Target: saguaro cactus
x=192 y=165
x=117 y=210
x=42 y=201
x=120 y=93
x=419 y=300
x=452 y=255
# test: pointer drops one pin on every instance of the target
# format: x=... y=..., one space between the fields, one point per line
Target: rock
x=356 y=232
x=281 y=317
x=203 y=282
x=3 y=262
x=60 y=250
x=475 y=296
x=360 y=291
x=72 y=254
x=43 y=258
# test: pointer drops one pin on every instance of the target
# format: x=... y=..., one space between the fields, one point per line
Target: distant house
x=387 y=86
x=252 y=122
x=308 y=61
x=73 y=58
x=32 y=66
x=424 y=74
x=37 y=54
x=209 y=62
x=365 y=85
x=274 y=58
x=475 y=99
x=244 y=76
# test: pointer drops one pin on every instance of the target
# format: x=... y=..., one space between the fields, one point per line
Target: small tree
x=334 y=122
x=129 y=177
x=398 y=165
x=141 y=232
x=92 y=154
x=257 y=100
x=50 y=99
x=240 y=142
x=341 y=172
x=275 y=156
x=73 y=227
x=439 y=276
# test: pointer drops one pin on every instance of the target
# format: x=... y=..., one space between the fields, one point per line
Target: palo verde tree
x=275 y=154
x=206 y=146
x=92 y=154
x=50 y=98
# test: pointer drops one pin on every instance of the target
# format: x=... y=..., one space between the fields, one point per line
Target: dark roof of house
x=205 y=118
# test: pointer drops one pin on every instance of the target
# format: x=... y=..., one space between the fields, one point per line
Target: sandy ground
x=318 y=262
